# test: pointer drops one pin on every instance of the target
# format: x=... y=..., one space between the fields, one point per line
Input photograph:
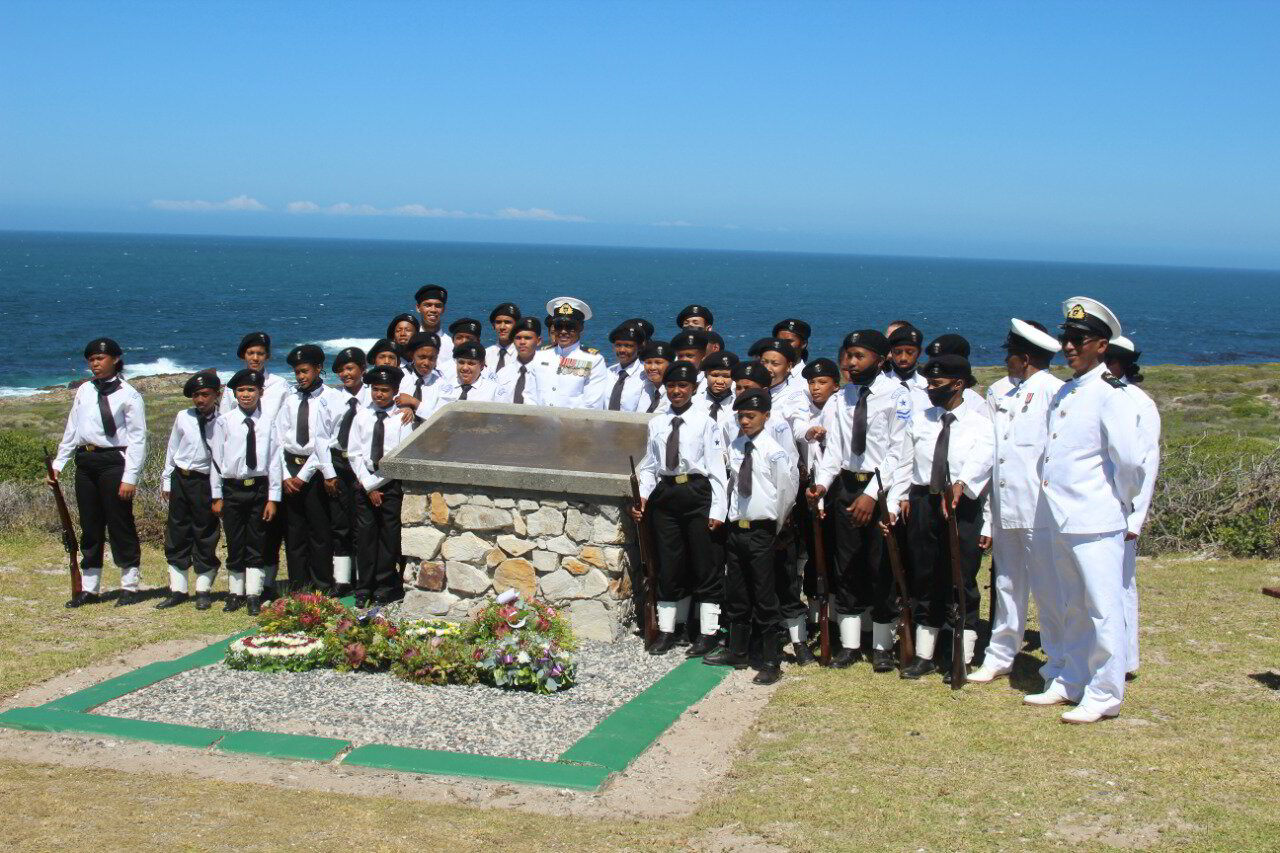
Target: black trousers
x=102 y=513
x=930 y=558
x=378 y=543
x=342 y=508
x=686 y=557
x=308 y=543
x=860 y=574
x=242 y=508
x=751 y=582
x=790 y=579
x=191 y=532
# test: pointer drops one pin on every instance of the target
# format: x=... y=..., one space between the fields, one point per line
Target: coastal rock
x=431 y=577
x=468 y=548
x=466 y=579
x=439 y=510
x=591 y=620
x=514 y=545
x=516 y=574
x=544 y=561
x=413 y=509
x=559 y=586
x=577 y=526
x=561 y=545
x=421 y=542
x=472 y=517
x=606 y=532
x=544 y=522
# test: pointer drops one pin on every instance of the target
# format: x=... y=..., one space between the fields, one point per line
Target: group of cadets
x=888 y=444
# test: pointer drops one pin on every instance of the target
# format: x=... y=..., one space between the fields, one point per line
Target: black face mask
x=904 y=374
x=864 y=377
x=940 y=396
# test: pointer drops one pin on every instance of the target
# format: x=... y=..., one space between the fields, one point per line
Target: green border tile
x=276 y=745
x=46 y=719
x=585 y=777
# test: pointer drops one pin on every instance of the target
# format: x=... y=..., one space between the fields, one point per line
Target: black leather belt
x=247 y=482
x=753 y=524
x=90 y=448
x=683 y=478
x=187 y=472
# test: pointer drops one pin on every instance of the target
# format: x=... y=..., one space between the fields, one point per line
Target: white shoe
x=983 y=674
x=1046 y=698
x=1084 y=715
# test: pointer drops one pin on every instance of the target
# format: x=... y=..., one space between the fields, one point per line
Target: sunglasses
x=1076 y=339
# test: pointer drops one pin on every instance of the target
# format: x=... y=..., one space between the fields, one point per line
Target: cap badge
x=565 y=309
x=1076 y=312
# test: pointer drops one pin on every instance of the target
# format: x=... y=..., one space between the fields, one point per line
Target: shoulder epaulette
x=591 y=350
x=1112 y=381
x=545 y=347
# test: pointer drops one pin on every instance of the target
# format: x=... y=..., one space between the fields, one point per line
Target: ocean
x=181 y=303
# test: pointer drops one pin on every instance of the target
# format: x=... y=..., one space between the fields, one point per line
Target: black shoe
x=254 y=604
x=127 y=597
x=845 y=658
x=946 y=673
x=174 y=599
x=665 y=643
x=770 y=673
x=84 y=598
x=363 y=600
x=234 y=603
x=723 y=656
x=920 y=667
x=882 y=661
x=341 y=590
x=270 y=592
x=704 y=644
x=804 y=657
x=203 y=601
x=388 y=597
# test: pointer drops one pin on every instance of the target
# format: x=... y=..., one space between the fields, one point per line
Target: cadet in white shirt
x=383 y=353
x=107 y=432
x=518 y=379
x=790 y=396
x=906 y=344
x=1122 y=362
x=420 y=388
x=1018 y=405
x=747 y=376
x=626 y=375
x=762 y=488
x=951 y=344
x=399 y=331
x=462 y=331
x=1091 y=475
x=503 y=320
x=682 y=488
x=944 y=467
x=716 y=396
x=655 y=357
x=570 y=375
x=796 y=333
x=191 y=529
x=690 y=345
x=864 y=424
x=306 y=424
x=694 y=317
x=349 y=365
x=431 y=300
x=378 y=430
x=245 y=487
x=472 y=383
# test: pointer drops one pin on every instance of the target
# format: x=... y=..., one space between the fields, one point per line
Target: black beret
x=681 y=371
x=869 y=339
x=906 y=336
x=254 y=339
x=948 y=367
x=102 y=346
x=384 y=376
x=430 y=291
x=657 y=349
x=777 y=345
x=798 y=328
x=754 y=371
x=465 y=324
x=642 y=324
x=470 y=349
x=306 y=354
x=420 y=340
x=246 y=376
x=628 y=332
x=350 y=355
x=506 y=309
x=204 y=379
x=720 y=360
x=527 y=324
x=947 y=345
x=402 y=318
x=689 y=339
x=379 y=346
x=713 y=337
x=821 y=367
x=753 y=400
x=695 y=311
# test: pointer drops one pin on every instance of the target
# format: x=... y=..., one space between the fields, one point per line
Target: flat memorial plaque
x=503 y=445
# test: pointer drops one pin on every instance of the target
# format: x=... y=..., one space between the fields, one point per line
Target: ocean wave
x=342 y=343
x=155 y=368
x=6 y=391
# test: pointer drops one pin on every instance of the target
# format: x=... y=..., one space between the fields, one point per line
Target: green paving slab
x=274 y=745
x=586 y=777
x=46 y=719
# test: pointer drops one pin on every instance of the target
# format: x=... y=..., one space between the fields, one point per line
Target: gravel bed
x=380 y=708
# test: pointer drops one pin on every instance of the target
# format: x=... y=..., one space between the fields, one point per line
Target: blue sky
x=1073 y=131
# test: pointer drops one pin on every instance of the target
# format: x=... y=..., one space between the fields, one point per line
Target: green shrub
x=22 y=455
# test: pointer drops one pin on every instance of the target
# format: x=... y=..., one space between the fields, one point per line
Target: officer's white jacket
x=188 y=449
x=230 y=435
x=1091 y=471
x=632 y=387
x=1149 y=430
x=888 y=413
x=274 y=389
x=774 y=480
x=429 y=400
x=1018 y=414
x=508 y=377
x=395 y=431
x=572 y=378
x=84 y=426
x=322 y=420
x=969 y=450
x=701 y=452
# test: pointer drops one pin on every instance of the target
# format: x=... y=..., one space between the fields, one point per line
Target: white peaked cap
x=1033 y=336
x=573 y=302
x=1122 y=342
x=1077 y=307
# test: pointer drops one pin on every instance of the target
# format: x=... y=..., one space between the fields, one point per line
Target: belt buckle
x=744 y=523
x=682 y=478
x=89 y=447
x=299 y=460
x=249 y=481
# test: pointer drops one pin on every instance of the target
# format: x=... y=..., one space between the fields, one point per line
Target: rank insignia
x=1076 y=312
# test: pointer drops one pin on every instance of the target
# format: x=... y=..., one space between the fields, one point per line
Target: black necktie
x=379 y=437
x=858 y=437
x=250 y=445
x=417 y=390
x=344 y=430
x=518 y=395
x=744 y=473
x=304 y=420
x=502 y=358
x=716 y=405
x=653 y=403
x=673 y=445
x=201 y=420
x=106 y=387
x=615 y=398
x=939 y=476
x=466 y=389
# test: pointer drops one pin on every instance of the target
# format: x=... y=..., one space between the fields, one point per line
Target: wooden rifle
x=68 y=529
x=959 y=607
x=644 y=536
x=823 y=590
x=906 y=631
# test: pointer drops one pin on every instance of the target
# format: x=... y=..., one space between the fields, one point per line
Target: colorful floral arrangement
x=307 y=612
x=436 y=660
x=523 y=644
x=291 y=652
x=367 y=643
x=419 y=629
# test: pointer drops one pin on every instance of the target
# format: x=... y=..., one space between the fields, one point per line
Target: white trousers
x=1024 y=568
x=1090 y=571
x=1131 y=604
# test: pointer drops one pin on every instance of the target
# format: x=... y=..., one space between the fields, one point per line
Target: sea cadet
x=626 y=375
x=716 y=395
x=797 y=333
x=255 y=351
x=503 y=320
x=656 y=357
x=401 y=328
x=420 y=388
x=384 y=353
x=695 y=316
x=473 y=382
x=349 y=365
x=518 y=380
x=569 y=374
x=431 y=300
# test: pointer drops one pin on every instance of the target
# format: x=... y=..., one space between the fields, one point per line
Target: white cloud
x=672 y=223
x=540 y=214
x=240 y=203
x=422 y=211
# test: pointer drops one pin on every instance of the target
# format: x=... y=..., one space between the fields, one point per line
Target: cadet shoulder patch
x=1112 y=381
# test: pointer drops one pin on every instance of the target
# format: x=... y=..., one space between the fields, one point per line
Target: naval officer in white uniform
x=570 y=375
